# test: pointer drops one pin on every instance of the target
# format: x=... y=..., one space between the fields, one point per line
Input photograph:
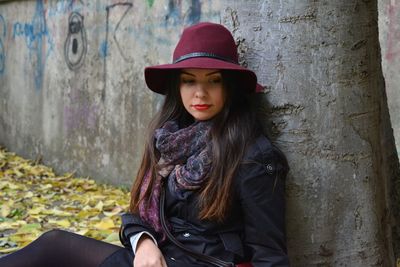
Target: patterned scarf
x=185 y=159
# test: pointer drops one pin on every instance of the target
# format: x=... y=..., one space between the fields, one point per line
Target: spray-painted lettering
x=37 y=40
x=105 y=45
x=55 y=8
x=75 y=45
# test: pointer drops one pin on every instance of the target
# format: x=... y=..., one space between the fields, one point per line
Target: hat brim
x=157 y=77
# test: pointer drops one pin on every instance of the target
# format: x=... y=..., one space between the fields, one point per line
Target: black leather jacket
x=254 y=230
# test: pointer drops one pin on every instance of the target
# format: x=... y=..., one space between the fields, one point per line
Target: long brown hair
x=233 y=128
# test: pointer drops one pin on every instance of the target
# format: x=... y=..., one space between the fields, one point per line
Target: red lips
x=201 y=107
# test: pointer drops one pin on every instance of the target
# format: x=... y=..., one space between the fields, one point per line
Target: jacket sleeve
x=132 y=224
x=262 y=199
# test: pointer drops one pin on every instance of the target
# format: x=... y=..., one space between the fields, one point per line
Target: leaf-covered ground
x=33 y=200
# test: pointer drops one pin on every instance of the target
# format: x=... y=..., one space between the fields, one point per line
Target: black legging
x=61 y=249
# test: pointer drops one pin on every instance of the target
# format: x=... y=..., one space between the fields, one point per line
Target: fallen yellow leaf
x=99 y=206
x=8 y=250
x=29 y=228
x=62 y=223
x=117 y=210
x=41 y=201
x=105 y=224
x=5 y=210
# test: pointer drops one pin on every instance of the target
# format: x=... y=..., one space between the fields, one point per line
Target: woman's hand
x=148 y=254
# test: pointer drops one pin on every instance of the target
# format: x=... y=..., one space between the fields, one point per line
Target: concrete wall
x=71 y=78
x=389 y=37
x=71 y=81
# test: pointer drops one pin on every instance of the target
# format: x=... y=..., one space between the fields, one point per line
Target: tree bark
x=324 y=102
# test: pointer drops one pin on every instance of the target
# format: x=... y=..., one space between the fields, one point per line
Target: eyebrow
x=208 y=74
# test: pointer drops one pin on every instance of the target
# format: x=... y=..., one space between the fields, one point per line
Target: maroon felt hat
x=205 y=46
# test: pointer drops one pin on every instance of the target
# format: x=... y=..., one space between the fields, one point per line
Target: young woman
x=210 y=188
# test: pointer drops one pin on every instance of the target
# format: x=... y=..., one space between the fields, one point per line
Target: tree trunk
x=324 y=100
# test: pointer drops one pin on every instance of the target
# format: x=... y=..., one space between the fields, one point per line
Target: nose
x=200 y=91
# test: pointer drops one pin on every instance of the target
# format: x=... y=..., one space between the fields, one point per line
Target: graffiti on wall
x=117 y=29
x=38 y=41
x=105 y=44
x=127 y=7
x=75 y=45
x=61 y=7
x=150 y=2
x=3 y=29
x=177 y=16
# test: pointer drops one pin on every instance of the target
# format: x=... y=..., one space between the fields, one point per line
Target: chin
x=201 y=119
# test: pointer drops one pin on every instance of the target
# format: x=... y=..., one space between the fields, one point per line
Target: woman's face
x=202 y=92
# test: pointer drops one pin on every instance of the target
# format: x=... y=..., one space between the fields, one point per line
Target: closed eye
x=215 y=80
x=187 y=81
